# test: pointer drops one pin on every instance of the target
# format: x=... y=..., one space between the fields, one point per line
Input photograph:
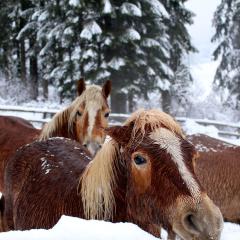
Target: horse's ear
x=121 y=134
x=81 y=86
x=106 y=89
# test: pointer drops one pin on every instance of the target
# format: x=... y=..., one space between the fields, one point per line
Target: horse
x=143 y=174
x=217 y=168
x=83 y=120
x=14 y=133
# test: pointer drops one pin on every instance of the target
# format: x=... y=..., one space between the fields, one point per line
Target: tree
x=227 y=25
x=137 y=44
x=180 y=46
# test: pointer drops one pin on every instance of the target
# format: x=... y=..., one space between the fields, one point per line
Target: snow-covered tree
x=138 y=44
x=180 y=78
x=227 y=23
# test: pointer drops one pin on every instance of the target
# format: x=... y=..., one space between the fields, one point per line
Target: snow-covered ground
x=70 y=228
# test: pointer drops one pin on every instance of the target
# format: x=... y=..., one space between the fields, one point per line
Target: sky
x=201 y=64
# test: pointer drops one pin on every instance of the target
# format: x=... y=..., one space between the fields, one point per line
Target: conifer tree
x=227 y=25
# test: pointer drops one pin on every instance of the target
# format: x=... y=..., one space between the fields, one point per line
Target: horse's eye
x=79 y=114
x=139 y=160
x=106 y=115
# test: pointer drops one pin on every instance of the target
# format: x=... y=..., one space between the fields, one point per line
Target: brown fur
x=217 y=168
x=2 y=206
x=68 y=123
x=16 y=132
x=42 y=181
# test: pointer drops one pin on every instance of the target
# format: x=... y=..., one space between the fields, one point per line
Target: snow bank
x=191 y=127
x=70 y=228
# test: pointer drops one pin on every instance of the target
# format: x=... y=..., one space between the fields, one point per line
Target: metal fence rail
x=43 y=115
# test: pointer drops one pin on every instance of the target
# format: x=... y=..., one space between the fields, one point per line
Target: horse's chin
x=93 y=148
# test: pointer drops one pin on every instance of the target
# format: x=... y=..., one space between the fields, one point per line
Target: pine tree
x=180 y=46
x=227 y=25
x=137 y=44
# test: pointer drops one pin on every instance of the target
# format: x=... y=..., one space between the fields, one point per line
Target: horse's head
x=90 y=113
x=161 y=185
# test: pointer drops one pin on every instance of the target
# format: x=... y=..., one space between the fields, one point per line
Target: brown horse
x=217 y=168
x=14 y=133
x=84 y=121
x=144 y=175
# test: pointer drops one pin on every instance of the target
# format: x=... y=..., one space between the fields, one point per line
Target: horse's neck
x=120 y=191
x=59 y=126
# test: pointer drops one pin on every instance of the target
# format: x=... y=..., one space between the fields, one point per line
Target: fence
x=43 y=115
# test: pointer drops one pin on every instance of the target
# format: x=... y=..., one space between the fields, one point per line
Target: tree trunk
x=118 y=102
x=33 y=71
x=45 y=88
x=131 y=103
x=23 y=61
x=166 y=101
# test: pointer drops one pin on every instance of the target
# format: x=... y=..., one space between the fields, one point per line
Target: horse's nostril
x=85 y=145
x=191 y=223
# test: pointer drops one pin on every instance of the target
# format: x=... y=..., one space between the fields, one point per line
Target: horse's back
x=12 y=121
x=14 y=133
x=217 y=168
x=205 y=143
x=46 y=173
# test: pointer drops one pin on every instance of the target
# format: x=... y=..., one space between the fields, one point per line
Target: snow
x=202 y=65
x=68 y=31
x=191 y=127
x=158 y=8
x=43 y=16
x=203 y=75
x=116 y=63
x=90 y=29
x=131 y=34
x=70 y=228
x=74 y=2
x=130 y=9
x=149 y=42
x=107 y=7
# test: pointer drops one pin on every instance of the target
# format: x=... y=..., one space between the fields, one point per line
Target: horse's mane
x=93 y=98
x=151 y=120
x=99 y=178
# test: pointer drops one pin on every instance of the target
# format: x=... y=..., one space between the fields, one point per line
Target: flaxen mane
x=93 y=98
x=98 y=180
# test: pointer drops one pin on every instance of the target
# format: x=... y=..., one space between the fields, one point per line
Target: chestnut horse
x=144 y=175
x=14 y=133
x=217 y=168
x=84 y=121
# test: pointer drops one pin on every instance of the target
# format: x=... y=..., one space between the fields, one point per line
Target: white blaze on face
x=92 y=112
x=169 y=141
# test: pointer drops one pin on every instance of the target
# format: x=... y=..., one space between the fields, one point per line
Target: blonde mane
x=97 y=182
x=93 y=99
x=151 y=120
